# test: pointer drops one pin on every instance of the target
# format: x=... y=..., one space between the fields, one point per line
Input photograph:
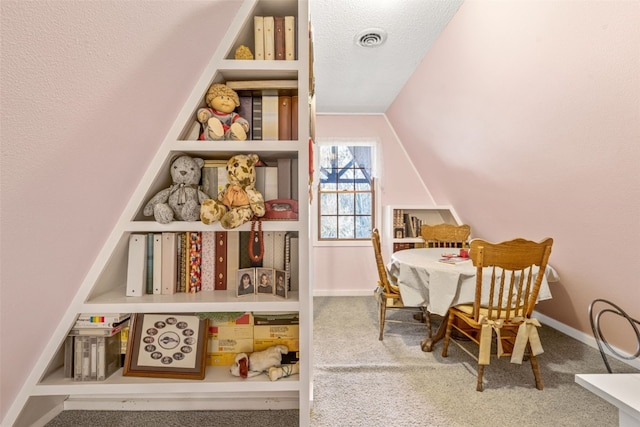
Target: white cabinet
x=103 y=290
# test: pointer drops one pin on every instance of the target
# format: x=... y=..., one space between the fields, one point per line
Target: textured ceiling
x=354 y=79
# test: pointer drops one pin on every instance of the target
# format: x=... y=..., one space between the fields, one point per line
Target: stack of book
x=93 y=346
x=195 y=261
x=271 y=107
x=274 y=38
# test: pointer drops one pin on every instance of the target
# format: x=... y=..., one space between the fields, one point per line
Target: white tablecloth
x=424 y=281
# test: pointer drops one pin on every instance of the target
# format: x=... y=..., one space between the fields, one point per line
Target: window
x=346 y=190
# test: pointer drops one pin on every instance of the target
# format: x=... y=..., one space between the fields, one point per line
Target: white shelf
x=103 y=288
x=217 y=379
x=116 y=301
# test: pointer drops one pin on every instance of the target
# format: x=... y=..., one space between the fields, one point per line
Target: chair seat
x=468 y=310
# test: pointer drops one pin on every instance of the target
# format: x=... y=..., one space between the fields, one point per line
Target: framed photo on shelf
x=166 y=346
x=266 y=279
x=281 y=284
x=245 y=279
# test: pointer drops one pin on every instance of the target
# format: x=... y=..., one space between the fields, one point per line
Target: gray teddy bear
x=182 y=200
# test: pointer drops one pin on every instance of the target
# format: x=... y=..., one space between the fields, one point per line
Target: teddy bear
x=239 y=201
x=219 y=121
x=182 y=200
x=268 y=360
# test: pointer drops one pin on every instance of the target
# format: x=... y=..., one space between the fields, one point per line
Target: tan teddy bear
x=239 y=201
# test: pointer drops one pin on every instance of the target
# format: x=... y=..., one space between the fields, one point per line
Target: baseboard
x=584 y=338
x=342 y=293
x=203 y=402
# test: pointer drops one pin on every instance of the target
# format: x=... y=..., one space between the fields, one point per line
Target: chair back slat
x=382 y=269
x=445 y=235
x=512 y=271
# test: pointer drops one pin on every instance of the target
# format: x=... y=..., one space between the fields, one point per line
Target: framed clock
x=166 y=346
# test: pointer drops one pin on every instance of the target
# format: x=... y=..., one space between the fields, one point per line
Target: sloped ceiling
x=354 y=79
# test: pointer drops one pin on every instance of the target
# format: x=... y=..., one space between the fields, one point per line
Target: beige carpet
x=360 y=381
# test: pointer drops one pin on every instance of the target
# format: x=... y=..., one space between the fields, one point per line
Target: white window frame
x=376 y=172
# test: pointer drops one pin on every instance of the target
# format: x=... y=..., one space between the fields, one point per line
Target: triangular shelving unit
x=46 y=392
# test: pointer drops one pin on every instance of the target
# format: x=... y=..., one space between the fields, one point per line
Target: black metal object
x=594 y=317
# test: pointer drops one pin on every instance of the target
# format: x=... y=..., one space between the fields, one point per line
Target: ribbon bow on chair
x=485 y=338
x=527 y=332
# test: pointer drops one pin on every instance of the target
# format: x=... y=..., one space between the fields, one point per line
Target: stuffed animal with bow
x=182 y=200
x=240 y=201
x=268 y=360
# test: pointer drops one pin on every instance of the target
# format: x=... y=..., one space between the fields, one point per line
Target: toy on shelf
x=220 y=121
x=181 y=201
x=239 y=201
x=268 y=360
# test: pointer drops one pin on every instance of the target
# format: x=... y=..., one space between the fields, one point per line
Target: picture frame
x=281 y=289
x=166 y=345
x=265 y=281
x=242 y=288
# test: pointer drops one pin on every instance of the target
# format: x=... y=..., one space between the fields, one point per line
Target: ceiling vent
x=372 y=37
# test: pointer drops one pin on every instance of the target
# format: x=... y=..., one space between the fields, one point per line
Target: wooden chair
x=596 y=311
x=505 y=303
x=445 y=235
x=387 y=293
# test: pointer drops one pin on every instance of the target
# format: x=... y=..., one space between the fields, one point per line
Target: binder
x=137 y=265
x=169 y=262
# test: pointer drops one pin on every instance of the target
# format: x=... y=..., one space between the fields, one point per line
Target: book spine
x=284 y=117
x=246 y=111
x=157 y=263
x=269 y=38
x=103 y=318
x=233 y=262
x=149 y=276
x=137 y=265
x=294 y=179
x=169 y=262
x=100 y=362
x=86 y=358
x=294 y=117
x=256 y=117
x=68 y=357
x=184 y=263
x=270 y=117
x=77 y=358
x=258 y=31
x=289 y=38
x=195 y=262
x=210 y=181
x=278 y=250
x=221 y=260
x=279 y=32
x=207 y=270
x=284 y=179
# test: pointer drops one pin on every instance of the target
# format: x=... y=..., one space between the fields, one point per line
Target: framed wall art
x=166 y=346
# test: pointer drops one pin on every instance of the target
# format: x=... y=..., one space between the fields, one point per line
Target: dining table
x=426 y=280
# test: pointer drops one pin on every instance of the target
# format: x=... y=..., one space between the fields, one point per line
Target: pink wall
x=531 y=111
x=89 y=90
x=350 y=270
